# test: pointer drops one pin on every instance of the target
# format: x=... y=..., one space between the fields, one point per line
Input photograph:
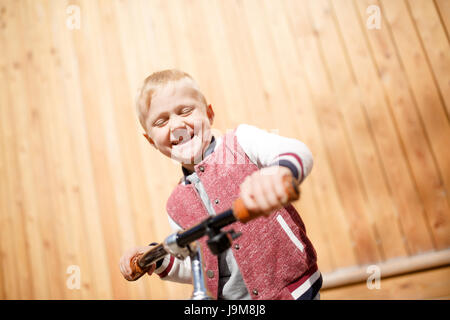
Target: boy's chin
x=187 y=160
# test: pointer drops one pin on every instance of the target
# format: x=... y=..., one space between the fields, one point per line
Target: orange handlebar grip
x=240 y=211
x=291 y=189
x=136 y=271
x=244 y=215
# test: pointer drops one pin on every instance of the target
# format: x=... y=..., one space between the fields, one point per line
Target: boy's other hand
x=125 y=260
x=263 y=191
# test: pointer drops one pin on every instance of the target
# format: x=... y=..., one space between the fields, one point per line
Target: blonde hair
x=153 y=82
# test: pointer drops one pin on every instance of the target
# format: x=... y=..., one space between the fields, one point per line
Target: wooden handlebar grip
x=136 y=271
x=244 y=215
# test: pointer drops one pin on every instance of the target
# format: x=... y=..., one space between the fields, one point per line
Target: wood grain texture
x=428 y=284
x=79 y=184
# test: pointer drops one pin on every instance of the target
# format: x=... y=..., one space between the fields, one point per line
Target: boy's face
x=179 y=123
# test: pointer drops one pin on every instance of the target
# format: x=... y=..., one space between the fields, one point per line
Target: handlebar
x=141 y=263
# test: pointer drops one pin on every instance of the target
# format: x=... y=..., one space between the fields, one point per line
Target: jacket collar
x=207 y=152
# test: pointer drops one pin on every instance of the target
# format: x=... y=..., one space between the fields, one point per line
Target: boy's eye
x=186 y=110
x=160 y=122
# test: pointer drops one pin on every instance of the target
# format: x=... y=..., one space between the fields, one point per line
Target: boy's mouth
x=186 y=149
x=182 y=140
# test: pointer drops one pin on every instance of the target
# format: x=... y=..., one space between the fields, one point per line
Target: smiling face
x=179 y=123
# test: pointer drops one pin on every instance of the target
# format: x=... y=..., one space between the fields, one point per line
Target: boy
x=273 y=258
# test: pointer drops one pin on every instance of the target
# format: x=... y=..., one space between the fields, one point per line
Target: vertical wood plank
x=9 y=287
x=279 y=35
x=135 y=200
x=9 y=213
x=443 y=7
x=410 y=208
x=430 y=108
x=42 y=182
x=59 y=157
x=368 y=158
x=130 y=28
x=234 y=102
x=16 y=200
x=243 y=59
x=422 y=165
x=345 y=169
x=279 y=96
x=84 y=214
x=101 y=131
x=332 y=212
x=5 y=135
x=435 y=43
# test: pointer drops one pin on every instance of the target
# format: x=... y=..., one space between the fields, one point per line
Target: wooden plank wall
x=79 y=184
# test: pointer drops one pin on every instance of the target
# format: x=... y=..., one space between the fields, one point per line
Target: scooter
x=184 y=244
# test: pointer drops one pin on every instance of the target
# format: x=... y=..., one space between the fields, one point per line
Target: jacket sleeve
x=267 y=149
x=174 y=269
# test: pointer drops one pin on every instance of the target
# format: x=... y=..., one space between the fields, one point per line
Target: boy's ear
x=149 y=140
x=210 y=113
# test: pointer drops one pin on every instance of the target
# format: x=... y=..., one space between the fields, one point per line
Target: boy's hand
x=125 y=260
x=263 y=191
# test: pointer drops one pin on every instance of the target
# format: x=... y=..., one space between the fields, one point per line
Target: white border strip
x=297 y=293
x=290 y=234
x=294 y=161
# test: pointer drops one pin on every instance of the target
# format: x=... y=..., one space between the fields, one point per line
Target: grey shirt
x=231 y=284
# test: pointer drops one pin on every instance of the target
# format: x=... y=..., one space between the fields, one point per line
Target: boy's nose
x=176 y=122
